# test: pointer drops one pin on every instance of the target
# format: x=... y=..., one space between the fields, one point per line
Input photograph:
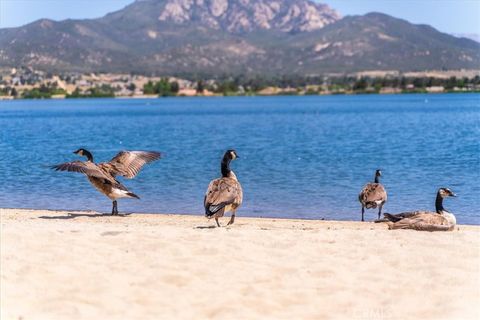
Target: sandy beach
x=82 y=265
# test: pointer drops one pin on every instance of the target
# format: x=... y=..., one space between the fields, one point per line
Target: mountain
x=377 y=41
x=215 y=37
x=471 y=36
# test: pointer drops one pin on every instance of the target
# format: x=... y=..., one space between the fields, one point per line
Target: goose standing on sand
x=373 y=195
x=441 y=220
x=102 y=175
x=224 y=194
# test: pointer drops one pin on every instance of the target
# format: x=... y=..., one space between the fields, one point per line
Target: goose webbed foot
x=216 y=220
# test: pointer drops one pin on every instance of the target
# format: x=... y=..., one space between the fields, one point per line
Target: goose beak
x=454 y=194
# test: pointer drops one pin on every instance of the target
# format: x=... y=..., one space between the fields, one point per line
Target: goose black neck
x=88 y=155
x=226 y=166
x=439 y=203
x=377 y=180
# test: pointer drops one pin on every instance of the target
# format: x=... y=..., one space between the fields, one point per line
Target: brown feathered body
x=372 y=195
x=223 y=195
x=441 y=220
x=422 y=221
x=113 y=190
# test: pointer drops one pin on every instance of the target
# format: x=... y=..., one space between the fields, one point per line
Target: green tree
x=174 y=87
x=75 y=94
x=200 y=87
x=360 y=85
x=132 y=87
x=163 y=88
x=451 y=82
x=419 y=83
x=148 y=88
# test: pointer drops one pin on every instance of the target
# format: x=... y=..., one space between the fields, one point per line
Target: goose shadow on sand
x=77 y=215
x=205 y=227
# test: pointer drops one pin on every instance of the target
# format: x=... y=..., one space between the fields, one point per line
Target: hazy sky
x=452 y=16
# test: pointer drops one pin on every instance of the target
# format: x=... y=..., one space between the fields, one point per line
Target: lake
x=300 y=157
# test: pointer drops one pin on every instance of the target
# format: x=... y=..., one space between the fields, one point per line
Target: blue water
x=302 y=157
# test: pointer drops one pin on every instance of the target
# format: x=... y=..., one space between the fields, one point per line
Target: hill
x=218 y=37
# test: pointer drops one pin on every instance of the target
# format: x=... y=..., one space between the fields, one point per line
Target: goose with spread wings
x=440 y=220
x=224 y=194
x=103 y=175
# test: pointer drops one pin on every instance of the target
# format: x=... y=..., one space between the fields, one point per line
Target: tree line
x=242 y=85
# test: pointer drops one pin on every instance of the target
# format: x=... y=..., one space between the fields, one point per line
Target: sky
x=451 y=16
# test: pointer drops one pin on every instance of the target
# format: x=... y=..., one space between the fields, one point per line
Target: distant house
x=390 y=90
x=435 y=89
x=187 y=92
x=16 y=81
x=269 y=91
x=123 y=92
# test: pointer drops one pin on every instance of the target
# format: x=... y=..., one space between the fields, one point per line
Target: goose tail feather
x=133 y=195
x=392 y=217
x=211 y=210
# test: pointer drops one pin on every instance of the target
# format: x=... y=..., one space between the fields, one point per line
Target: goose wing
x=403 y=215
x=129 y=163
x=423 y=222
x=88 y=168
x=372 y=192
x=220 y=193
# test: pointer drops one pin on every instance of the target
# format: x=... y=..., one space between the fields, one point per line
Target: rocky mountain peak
x=248 y=15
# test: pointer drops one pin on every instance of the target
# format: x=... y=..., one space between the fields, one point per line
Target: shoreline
x=9 y=98
x=193 y=215
x=84 y=265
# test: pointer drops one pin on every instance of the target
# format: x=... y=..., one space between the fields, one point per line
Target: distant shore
x=84 y=265
x=240 y=95
x=29 y=83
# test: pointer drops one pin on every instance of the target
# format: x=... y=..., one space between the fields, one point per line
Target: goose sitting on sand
x=224 y=194
x=102 y=175
x=373 y=195
x=441 y=220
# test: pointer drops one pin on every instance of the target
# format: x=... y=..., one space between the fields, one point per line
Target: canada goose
x=441 y=220
x=225 y=193
x=373 y=195
x=102 y=175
